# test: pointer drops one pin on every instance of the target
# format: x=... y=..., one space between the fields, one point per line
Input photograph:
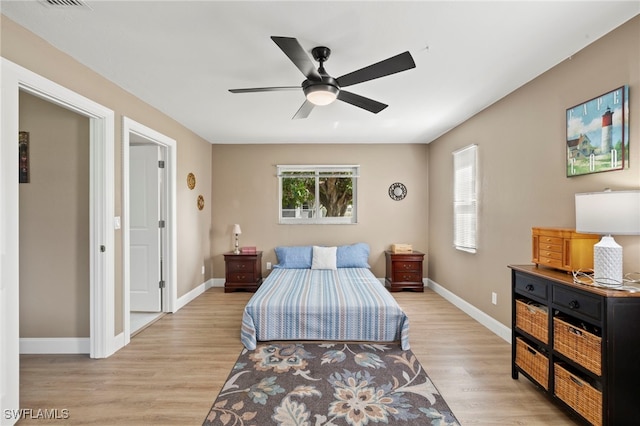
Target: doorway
x=146 y=231
x=15 y=78
x=149 y=231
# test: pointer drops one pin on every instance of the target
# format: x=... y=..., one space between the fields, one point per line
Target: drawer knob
x=574 y=304
x=529 y=287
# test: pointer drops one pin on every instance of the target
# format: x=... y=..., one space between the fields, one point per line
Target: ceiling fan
x=320 y=88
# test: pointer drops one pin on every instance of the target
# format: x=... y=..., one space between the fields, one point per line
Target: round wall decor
x=191 y=180
x=397 y=191
x=200 y=202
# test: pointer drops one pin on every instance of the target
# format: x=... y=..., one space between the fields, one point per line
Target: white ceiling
x=183 y=56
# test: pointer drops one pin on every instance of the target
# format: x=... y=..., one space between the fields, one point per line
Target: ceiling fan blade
x=298 y=56
x=265 y=89
x=398 y=63
x=361 y=102
x=304 y=110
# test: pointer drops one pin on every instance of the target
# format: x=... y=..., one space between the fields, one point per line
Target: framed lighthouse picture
x=598 y=134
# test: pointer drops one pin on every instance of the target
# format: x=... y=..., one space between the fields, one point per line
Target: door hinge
x=161 y=224
x=161 y=284
x=161 y=164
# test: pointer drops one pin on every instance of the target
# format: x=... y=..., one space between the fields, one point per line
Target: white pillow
x=324 y=258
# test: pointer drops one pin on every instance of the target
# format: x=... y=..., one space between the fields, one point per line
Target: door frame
x=170 y=292
x=13 y=79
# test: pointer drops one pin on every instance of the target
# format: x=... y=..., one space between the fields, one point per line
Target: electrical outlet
x=494 y=298
x=202 y=269
x=268 y=266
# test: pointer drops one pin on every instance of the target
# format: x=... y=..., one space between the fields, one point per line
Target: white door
x=145 y=228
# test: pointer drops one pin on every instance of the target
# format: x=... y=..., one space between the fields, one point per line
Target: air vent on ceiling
x=75 y=3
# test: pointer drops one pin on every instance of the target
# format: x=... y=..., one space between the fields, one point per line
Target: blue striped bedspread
x=347 y=304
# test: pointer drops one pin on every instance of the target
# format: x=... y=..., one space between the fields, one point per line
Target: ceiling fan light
x=322 y=94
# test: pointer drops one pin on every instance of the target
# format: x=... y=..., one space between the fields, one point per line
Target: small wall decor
x=598 y=134
x=23 y=157
x=397 y=191
x=200 y=202
x=191 y=180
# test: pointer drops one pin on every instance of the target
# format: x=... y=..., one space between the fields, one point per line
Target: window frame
x=465 y=199
x=317 y=170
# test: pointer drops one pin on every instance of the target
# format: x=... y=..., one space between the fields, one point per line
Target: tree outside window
x=317 y=194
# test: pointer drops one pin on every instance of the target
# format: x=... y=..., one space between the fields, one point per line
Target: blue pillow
x=294 y=257
x=353 y=256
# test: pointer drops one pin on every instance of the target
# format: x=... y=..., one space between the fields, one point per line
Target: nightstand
x=242 y=271
x=404 y=271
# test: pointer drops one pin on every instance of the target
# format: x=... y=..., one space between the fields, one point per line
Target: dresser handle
x=574 y=304
x=529 y=287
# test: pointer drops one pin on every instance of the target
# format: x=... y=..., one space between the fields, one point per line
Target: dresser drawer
x=530 y=286
x=578 y=303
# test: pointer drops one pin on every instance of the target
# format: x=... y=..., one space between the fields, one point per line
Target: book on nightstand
x=248 y=250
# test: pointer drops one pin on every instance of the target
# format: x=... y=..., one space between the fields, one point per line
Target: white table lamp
x=237 y=231
x=608 y=213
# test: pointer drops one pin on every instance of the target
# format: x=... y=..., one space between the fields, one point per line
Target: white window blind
x=465 y=198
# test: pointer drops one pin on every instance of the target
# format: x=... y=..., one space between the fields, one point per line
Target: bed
x=305 y=300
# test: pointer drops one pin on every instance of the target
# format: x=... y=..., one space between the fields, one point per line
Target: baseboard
x=495 y=326
x=188 y=297
x=55 y=345
x=216 y=282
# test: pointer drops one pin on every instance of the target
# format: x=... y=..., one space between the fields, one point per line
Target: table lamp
x=237 y=231
x=608 y=213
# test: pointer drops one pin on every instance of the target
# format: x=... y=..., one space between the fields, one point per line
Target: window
x=317 y=194
x=465 y=199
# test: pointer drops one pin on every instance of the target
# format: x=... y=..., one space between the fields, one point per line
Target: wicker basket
x=579 y=395
x=579 y=345
x=532 y=319
x=532 y=362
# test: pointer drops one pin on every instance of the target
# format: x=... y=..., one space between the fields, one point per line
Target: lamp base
x=607 y=262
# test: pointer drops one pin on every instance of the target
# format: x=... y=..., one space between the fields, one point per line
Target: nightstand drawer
x=239 y=277
x=405 y=266
x=239 y=266
x=408 y=276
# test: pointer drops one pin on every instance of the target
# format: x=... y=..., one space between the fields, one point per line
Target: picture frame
x=597 y=137
x=23 y=157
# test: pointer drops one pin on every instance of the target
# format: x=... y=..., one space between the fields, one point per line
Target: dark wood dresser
x=404 y=271
x=579 y=343
x=242 y=271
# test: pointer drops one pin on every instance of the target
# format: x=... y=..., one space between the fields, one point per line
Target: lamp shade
x=236 y=229
x=608 y=213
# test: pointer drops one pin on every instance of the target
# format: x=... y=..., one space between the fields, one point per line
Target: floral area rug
x=331 y=384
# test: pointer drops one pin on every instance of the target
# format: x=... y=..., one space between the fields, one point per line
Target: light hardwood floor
x=172 y=371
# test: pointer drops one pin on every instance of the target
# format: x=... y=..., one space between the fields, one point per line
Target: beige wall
x=521 y=143
x=54 y=222
x=194 y=153
x=245 y=191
